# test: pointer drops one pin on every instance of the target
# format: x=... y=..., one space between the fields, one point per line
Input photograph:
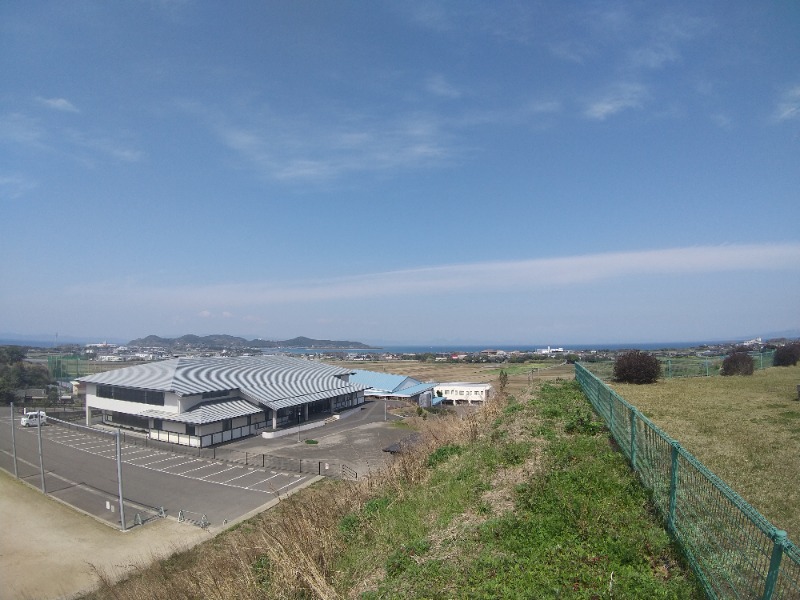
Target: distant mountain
x=219 y=342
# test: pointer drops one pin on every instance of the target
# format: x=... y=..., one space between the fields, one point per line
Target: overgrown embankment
x=526 y=499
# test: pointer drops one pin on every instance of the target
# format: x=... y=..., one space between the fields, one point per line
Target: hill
x=220 y=341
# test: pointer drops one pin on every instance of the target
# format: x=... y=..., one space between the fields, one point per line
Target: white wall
x=123 y=406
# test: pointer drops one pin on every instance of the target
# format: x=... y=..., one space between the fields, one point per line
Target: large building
x=204 y=401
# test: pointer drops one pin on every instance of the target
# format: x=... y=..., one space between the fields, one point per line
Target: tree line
x=17 y=374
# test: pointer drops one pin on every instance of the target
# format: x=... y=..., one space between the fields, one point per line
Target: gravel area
x=48 y=550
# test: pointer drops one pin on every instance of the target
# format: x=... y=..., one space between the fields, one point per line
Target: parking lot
x=80 y=469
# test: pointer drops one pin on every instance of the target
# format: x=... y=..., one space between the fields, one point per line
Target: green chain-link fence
x=684 y=366
x=734 y=550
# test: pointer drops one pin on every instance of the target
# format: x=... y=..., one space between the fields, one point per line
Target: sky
x=400 y=172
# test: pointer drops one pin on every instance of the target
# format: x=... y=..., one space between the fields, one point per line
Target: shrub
x=636 y=367
x=737 y=363
x=787 y=356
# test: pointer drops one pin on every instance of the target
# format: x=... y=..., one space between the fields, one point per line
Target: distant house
x=462 y=392
x=30 y=395
x=204 y=401
x=399 y=387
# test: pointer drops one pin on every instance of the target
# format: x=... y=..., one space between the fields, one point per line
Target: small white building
x=462 y=392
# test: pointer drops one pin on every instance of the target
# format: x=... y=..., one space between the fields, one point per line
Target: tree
x=636 y=367
x=737 y=363
x=502 y=381
x=787 y=355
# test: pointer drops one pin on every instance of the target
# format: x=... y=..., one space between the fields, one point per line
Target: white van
x=31 y=419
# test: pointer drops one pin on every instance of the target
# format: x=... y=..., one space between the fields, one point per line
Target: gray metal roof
x=274 y=381
x=207 y=412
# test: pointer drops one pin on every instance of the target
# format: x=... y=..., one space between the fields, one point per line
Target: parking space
x=80 y=466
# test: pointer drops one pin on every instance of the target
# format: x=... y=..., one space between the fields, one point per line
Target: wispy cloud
x=61 y=104
x=18 y=128
x=789 y=105
x=621 y=97
x=503 y=276
x=293 y=149
x=439 y=86
x=15 y=186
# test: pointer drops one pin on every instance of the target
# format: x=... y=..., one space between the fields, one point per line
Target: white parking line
x=249 y=472
x=298 y=480
x=129 y=452
x=195 y=469
x=263 y=480
x=218 y=473
x=158 y=461
x=179 y=465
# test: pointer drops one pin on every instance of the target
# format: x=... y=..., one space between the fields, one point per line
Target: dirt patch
x=65 y=550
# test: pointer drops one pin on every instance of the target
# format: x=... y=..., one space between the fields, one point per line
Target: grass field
x=519 y=376
x=523 y=499
x=745 y=429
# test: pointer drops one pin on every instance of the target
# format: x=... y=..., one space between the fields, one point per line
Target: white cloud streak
x=789 y=105
x=61 y=104
x=621 y=97
x=499 y=276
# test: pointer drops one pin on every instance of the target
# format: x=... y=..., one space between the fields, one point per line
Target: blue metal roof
x=388 y=384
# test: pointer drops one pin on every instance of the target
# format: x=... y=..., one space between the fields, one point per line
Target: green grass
x=517 y=515
x=745 y=429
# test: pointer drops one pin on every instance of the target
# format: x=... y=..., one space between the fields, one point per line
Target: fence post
x=673 y=487
x=779 y=539
x=633 y=440
x=41 y=456
x=14 y=442
x=611 y=413
x=119 y=482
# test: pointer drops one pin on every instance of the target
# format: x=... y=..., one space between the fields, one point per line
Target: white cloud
x=438 y=86
x=21 y=129
x=621 y=97
x=500 y=276
x=61 y=104
x=789 y=105
x=290 y=149
x=15 y=186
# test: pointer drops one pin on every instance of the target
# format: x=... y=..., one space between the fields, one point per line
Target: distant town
x=153 y=348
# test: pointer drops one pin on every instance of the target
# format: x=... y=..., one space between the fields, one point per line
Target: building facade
x=462 y=392
x=205 y=401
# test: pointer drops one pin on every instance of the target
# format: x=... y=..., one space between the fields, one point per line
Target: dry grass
x=472 y=372
x=745 y=429
x=290 y=552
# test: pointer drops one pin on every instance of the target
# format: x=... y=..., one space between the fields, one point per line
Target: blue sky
x=401 y=172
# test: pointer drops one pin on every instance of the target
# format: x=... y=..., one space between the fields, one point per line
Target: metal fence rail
x=734 y=551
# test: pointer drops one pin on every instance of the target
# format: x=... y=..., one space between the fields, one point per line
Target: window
x=131 y=395
x=190 y=429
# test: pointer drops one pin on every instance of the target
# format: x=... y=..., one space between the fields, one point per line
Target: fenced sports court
x=95 y=488
x=734 y=551
x=688 y=366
